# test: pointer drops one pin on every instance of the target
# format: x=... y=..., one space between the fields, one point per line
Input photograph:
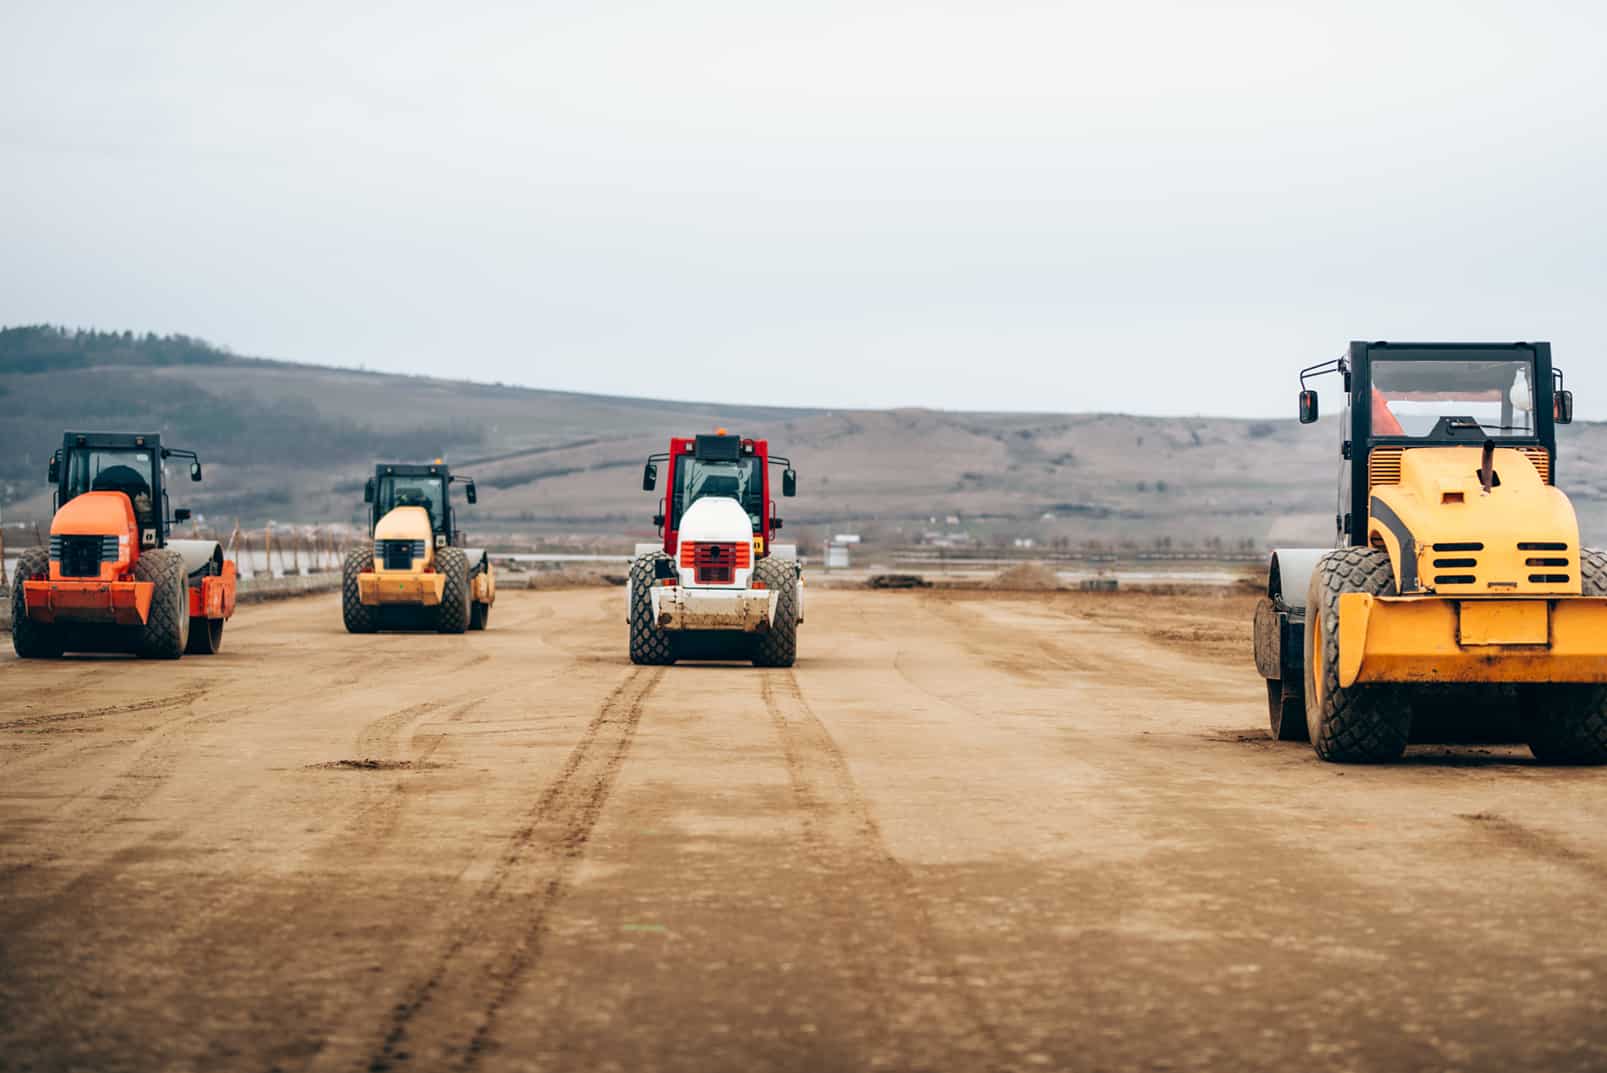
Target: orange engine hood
x=95 y=514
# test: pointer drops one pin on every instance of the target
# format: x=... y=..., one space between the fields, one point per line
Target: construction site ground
x=969 y=830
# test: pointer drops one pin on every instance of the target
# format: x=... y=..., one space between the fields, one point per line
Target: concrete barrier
x=257 y=589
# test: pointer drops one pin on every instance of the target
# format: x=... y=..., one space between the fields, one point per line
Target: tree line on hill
x=53 y=378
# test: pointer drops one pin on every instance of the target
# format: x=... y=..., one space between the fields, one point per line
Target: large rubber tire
x=452 y=616
x=1364 y=724
x=360 y=617
x=166 y=632
x=778 y=646
x=651 y=645
x=1568 y=724
x=32 y=640
x=1286 y=713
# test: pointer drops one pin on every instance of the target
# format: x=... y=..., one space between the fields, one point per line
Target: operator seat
x=720 y=486
x=127 y=479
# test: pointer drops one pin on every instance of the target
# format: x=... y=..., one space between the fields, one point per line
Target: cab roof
x=130 y=440
x=412 y=469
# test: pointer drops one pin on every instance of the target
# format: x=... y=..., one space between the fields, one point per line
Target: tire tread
x=1567 y=724
x=359 y=617
x=650 y=645
x=778 y=646
x=1364 y=724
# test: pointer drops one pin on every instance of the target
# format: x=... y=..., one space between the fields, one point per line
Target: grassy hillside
x=293 y=442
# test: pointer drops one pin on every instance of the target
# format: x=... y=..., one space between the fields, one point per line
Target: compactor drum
x=1458 y=576
x=416 y=573
x=113 y=578
x=717 y=587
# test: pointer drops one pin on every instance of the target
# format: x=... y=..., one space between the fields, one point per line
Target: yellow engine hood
x=406 y=523
x=1445 y=534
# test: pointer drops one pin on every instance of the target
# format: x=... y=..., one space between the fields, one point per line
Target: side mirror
x=195 y=471
x=182 y=514
x=775 y=524
x=789 y=482
x=649 y=477
x=1562 y=407
x=1308 y=407
x=55 y=468
x=471 y=493
x=368 y=490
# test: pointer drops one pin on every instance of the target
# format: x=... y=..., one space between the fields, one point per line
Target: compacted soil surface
x=969 y=831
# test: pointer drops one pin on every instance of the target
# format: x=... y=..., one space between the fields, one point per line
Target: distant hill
x=293 y=442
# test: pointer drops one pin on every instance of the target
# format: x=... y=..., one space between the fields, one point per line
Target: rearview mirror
x=55 y=468
x=789 y=482
x=649 y=477
x=1308 y=407
x=1562 y=407
x=471 y=493
x=368 y=490
x=182 y=514
x=195 y=471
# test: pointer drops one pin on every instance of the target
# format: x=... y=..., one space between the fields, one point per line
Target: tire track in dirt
x=383 y=795
x=502 y=938
x=156 y=755
x=364 y=831
x=902 y=972
x=44 y=719
x=131 y=788
x=1542 y=845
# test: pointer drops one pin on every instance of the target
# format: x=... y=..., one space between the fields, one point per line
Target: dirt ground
x=970 y=831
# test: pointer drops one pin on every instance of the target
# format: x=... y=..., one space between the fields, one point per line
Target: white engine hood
x=716 y=520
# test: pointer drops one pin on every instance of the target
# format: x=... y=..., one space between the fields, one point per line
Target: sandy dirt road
x=968 y=831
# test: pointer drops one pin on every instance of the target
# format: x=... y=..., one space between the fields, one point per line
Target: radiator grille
x=398 y=554
x=81 y=556
x=715 y=564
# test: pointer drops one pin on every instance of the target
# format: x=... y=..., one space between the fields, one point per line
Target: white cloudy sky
x=1146 y=206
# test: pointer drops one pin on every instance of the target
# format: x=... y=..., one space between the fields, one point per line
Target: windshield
x=425 y=491
x=91 y=470
x=1443 y=398
x=740 y=480
x=128 y=471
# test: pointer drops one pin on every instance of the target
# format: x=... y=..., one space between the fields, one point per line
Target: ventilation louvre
x=1384 y=466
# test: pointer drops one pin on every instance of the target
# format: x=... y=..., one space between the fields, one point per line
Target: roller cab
x=717 y=586
x=1459 y=561
x=416 y=573
x=113 y=577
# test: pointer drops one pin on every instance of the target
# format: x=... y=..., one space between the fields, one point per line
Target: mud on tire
x=1568 y=724
x=166 y=632
x=360 y=618
x=32 y=640
x=1364 y=724
x=452 y=616
x=651 y=645
x=778 y=646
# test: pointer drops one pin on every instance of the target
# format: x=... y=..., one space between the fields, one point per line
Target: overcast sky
x=1137 y=206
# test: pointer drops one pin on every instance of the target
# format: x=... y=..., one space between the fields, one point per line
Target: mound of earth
x=1025 y=577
